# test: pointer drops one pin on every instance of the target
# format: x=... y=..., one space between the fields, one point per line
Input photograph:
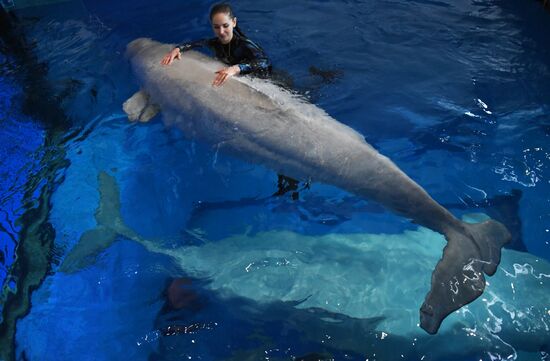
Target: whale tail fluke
x=490 y=236
x=85 y=252
x=110 y=225
x=458 y=278
x=139 y=107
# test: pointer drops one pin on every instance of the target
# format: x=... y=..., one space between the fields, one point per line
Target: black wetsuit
x=240 y=51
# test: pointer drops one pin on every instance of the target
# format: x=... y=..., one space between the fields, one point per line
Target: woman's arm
x=194 y=44
x=225 y=73
x=180 y=48
x=259 y=63
x=256 y=63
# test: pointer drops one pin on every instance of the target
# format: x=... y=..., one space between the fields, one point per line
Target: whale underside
x=263 y=123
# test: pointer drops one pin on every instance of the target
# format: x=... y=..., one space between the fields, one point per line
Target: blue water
x=454 y=92
x=20 y=150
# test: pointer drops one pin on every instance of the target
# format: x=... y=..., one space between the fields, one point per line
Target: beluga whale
x=263 y=123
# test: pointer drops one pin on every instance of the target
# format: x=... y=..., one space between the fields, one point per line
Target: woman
x=230 y=46
x=233 y=48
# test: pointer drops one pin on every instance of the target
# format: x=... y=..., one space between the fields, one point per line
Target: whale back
x=248 y=103
x=249 y=117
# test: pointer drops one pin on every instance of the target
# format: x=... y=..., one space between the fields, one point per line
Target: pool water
x=205 y=264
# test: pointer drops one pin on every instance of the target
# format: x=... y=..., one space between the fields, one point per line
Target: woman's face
x=223 y=27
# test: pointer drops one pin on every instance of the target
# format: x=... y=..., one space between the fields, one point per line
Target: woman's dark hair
x=225 y=8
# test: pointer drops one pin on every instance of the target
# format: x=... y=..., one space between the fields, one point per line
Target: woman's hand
x=169 y=58
x=224 y=74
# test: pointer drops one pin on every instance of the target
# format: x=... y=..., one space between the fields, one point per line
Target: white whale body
x=260 y=122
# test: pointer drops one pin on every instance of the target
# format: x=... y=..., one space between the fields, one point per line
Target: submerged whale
x=365 y=290
x=263 y=123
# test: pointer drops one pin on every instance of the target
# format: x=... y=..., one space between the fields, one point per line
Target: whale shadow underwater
x=265 y=124
x=365 y=297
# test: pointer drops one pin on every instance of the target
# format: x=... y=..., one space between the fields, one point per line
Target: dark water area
x=20 y=151
x=205 y=264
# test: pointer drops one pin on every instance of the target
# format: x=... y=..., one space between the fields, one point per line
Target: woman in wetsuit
x=230 y=46
x=242 y=55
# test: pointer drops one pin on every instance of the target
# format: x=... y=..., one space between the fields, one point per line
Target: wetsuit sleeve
x=259 y=62
x=195 y=44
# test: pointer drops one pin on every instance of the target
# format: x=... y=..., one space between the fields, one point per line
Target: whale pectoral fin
x=458 y=277
x=149 y=112
x=134 y=106
x=139 y=107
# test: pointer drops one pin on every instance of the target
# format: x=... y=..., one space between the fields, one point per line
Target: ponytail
x=239 y=32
